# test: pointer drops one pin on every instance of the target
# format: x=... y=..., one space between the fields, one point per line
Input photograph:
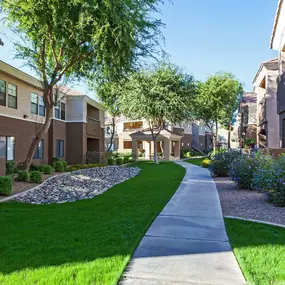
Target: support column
x=134 y=149
x=177 y=150
x=167 y=149
x=146 y=147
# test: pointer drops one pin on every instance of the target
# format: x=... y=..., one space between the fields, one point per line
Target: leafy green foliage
x=196 y=161
x=221 y=161
x=120 y=160
x=5 y=185
x=206 y=163
x=10 y=165
x=74 y=167
x=47 y=169
x=111 y=161
x=36 y=177
x=59 y=167
x=33 y=167
x=55 y=160
x=22 y=175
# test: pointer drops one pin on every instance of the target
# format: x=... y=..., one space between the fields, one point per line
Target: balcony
x=93 y=127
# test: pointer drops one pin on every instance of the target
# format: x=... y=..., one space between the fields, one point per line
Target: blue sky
x=206 y=36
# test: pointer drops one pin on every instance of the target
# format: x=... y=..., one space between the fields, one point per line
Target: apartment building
x=192 y=134
x=247 y=118
x=277 y=43
x=77 y=125
x=265 y=87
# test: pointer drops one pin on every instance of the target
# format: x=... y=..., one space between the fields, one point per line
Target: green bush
x=22 y=175
x=120 y=160
x=74 y=167
x=242 y=170
x=111 y=161
x=270 y=177
x=33 y=167
x=41 y=167
x=55 y=160
x=126 y=159
x=221 y=162
x=36 y=177
x=5 y=185
x=206 y=163
x=64 y=163
x=131 y=160
x=20 y=166
x=47 y=169
x=10 y=166
x=59 y=167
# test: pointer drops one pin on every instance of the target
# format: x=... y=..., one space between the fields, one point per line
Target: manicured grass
x=196 y=161
x=85 y=242
x=260 y=251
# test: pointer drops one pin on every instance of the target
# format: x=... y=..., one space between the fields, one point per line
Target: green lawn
x=85 y=242
x=260 y=251
x=196 y=161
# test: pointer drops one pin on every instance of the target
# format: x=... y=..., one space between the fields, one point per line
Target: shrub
x=20 y=166
x=22 y=175
x=55 y=160
x=64 y=163
x=221 y=161
x=131 y=160
x=36 y=177
x=74 y=167
x=41 y=167
x=206 y=163
x=111 y=161
x=59 y=167
x=126 y=159
x=242 y=170
x=270 y=178
x=5 y=185
x=33 y=167
x=120 y=160
x=47 y=169
x=10 y=166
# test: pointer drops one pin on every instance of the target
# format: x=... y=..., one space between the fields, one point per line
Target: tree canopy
x=163 y=94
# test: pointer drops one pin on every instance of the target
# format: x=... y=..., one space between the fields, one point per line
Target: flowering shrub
x=221 y=161
x=206 y=162
x=270 y=177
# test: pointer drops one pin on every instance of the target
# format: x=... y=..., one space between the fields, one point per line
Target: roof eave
x=277 y=15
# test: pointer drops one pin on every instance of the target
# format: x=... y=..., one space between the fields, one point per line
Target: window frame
x=58 y=148
x=5 y=92
x=62 y=112
x=11 y=95
x=41 y=105
x=35 y=104
x=37 y=152
x=6 y=147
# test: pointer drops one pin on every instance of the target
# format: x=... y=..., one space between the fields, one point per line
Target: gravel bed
x=246 y=203
x=78 y=185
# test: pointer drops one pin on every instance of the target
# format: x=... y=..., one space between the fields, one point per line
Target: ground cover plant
x=259 y=249
x=88 y=241
x=196 y=161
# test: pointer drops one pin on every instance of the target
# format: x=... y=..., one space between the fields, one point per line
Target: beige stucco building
x=77 y=125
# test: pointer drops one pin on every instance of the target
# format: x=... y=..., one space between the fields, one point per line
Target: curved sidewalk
x=187 y=243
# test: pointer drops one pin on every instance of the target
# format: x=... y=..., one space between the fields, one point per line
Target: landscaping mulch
x=248 y=204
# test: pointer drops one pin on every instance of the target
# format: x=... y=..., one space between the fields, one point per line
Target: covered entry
x=167 y=146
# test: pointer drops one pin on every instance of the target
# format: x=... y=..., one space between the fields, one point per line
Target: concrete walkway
x=187 y=243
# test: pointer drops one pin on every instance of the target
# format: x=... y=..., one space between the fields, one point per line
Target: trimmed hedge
x=5 y=185
x=47 y=169
x=120 y=160
x=55 y=160
x=59 y=167
x=36 y=177
x=10 y=166
x=22 y=175
x=111 y=161
x=33 y=167
x=126 y=159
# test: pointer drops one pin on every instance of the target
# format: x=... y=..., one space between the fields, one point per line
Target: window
x=127 y=144
x=7 y=147
x=59 y=148
x=12 y=96
x=2 y=92
x=42 y=109
x=34 y=103
x=133 y=126
x=56 y=111
x=62 y=111
x=39 y=153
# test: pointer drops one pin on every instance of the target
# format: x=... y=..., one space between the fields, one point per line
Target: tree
x=73 y=39
x=159 y=95
x=217 y=100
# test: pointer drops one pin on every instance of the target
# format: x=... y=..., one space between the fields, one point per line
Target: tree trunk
x=229 y=136
x=154 y=150
x=216 y=137
x=39 y=136
x=112 y=135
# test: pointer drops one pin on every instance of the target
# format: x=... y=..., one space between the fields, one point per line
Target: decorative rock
x=78 y=185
